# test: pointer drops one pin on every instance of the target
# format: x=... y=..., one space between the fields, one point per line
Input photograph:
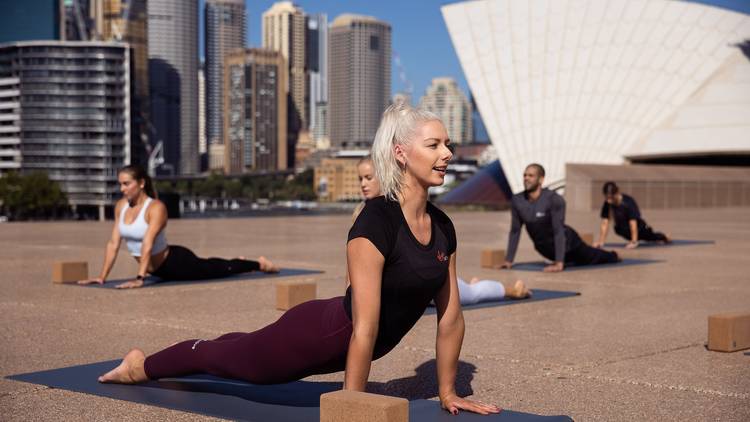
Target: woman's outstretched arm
x=365 y=267
x=110 y=250
x=450 y=336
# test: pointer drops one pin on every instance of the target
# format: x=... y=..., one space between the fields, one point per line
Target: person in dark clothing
x=141 y=221
x=401 y=255
x=624 y=211
x=543 y=213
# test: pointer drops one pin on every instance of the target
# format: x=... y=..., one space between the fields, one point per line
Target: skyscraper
x=360 y=79
x=127 y=21
x=316 y=64
x=284 y=31
x=255 y=101
x=225 y=24
x=65 y=110
x=445 y=99
x=173 y=80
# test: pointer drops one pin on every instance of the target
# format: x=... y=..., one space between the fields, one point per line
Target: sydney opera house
x=606 y=82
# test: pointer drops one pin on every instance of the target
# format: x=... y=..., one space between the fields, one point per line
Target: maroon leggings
x=311 y=338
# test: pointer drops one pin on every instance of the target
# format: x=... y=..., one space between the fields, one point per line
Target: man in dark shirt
x=543 y=213
x=628 y=222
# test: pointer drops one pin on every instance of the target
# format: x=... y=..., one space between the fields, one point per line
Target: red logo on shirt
x=441 y=256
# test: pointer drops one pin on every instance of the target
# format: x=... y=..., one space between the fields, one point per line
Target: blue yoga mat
x=539 y=265
x=238 y=400
x=153 y=281
x=537 y=295
x=675 y=242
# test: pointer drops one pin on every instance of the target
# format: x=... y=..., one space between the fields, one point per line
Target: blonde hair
x=399 y=122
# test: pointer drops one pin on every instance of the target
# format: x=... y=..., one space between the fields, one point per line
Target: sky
x=419 y=35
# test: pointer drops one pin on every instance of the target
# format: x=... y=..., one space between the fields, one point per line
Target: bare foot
x=668 y=239
x=130 y=371
x=474 y=280
x=267 y=266
x=132 y=284
x=518 y=291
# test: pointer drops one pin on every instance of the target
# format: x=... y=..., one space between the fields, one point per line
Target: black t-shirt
x=413 y=273
x=623 y=213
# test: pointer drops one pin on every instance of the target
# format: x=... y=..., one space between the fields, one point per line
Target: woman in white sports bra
x=140 y=220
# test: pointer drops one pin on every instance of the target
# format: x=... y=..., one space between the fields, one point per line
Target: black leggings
x=645 y=232
x=578 y=252
x=182 y=264
x=311 y=338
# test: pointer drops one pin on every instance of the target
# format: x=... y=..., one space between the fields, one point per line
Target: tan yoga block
x=69 y=272
x=291 y=293
x=355 y=406
x=492 y=258
x=729 y=332
x=588 y=238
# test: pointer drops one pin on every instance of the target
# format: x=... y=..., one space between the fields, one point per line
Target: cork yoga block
x=354 y=406
x=729 y=332
x=291 y=293
x=69 y=272
x=492 y=258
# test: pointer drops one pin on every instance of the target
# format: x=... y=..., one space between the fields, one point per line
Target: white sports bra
x=133 y=233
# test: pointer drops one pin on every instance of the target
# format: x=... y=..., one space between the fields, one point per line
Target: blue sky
x=420 y=37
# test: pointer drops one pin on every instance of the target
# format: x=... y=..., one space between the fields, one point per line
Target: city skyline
x=420 y=37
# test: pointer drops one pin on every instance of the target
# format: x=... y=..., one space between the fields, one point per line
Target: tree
x=31 y=196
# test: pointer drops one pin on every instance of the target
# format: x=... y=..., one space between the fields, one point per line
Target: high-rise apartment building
x=284 y=31
x=360 y=79
x=173 y=81
x=446 y=99
x=65 y=110
x=316 y=63
x=225 y=26
x=255 y=104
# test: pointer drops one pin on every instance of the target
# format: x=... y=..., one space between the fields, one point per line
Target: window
x=374 y=42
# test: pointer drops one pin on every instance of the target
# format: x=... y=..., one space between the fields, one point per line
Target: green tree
x=31 y=196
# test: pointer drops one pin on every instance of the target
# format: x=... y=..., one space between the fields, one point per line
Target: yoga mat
x=539 y=265
x=153 y=281
x=675 y=242
x=537 y=295
x=237 y=400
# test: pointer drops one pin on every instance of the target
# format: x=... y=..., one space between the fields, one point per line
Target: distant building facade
x=173 y=81
x=336 y=179
x=65 y=110
x=255 y=104
x=360 y=79
x=225 y=23
x=446 y=99
x=316 y=67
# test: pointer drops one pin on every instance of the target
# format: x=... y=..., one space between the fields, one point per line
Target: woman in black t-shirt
x=400 y=256
x=624 y=211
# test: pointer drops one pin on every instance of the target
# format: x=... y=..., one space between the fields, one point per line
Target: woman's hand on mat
x=554 y=268
x=632 y=245
x=132 y=284
x=99 y=280
x=453 y=404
